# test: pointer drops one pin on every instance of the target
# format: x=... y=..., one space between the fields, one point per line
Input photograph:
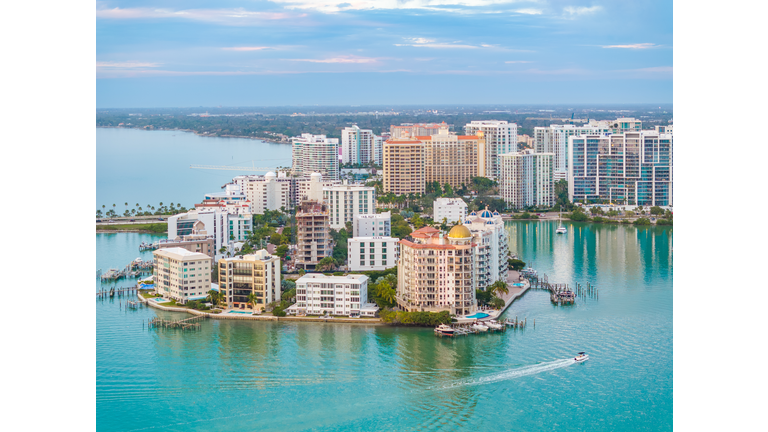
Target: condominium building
x=257 y=274
x=370 y=225
x=275 y=191
x=526 y=179
x=372 y=253
x=316 y=153
x=403 y=167
x=181 y=275
x=199 y=241
x=233 y=199
x=633 y=168
x=358 y=146
x=500 y=138
x=453 y=210
x=554 y=139
x=437 y=273
x=318 y=294
x=491 y=247
x=410 y=130
x=618 y=126
x=453 y=159
x=345 y=202
x=221 y=225
x=313 y=234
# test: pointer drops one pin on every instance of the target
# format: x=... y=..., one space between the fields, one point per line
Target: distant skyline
x=407 y=52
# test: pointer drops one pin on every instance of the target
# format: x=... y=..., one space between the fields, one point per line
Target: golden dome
x=459 y=231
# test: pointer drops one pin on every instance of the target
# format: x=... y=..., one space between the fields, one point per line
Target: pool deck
x=513 y=277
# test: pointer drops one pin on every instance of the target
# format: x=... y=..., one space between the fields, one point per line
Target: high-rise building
x=257 y=274
x=372 y=253
x=316 y=153
x=232 y=200
x=372 y=225
x=403 y=166
x=410 y=130
x=453 y=159
x=347 y=201
x=275 y=191
x=437 y=273
x=618 y=126
x=632 y=168
x=453 y=210
x=500 y=138
x=220 y=224
x=318 y=294
x=554 y=139
x=357 y=145
x=526 y=179
x=181 y=275
x=489 y=236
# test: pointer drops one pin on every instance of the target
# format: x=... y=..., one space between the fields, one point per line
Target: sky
x=315 y=52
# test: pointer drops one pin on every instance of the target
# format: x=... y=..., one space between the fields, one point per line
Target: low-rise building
x=181 y=275
x=453 y=210
x=372 y=253
x=318 y=294
x=199 y=241
x=370 y=225
x=218 y=223
x=437 y=273
x=257 y=274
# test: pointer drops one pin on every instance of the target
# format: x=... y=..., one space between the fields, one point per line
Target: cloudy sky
x=366 y=52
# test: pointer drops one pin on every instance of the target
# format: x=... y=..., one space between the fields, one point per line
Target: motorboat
x=560 y=229
x=493 y=324
x=581 y=357
x=479 y=327
x=529 y=272
x=444 y=330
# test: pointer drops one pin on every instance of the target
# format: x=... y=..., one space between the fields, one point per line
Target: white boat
x=560 y=229
x=493 y=324
x=444 y=330
x=581 y=357
x=479 y=327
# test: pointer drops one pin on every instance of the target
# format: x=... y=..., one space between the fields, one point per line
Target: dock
x=467 y=329
x=563 y=294
x=116 y=292
x=192 y=323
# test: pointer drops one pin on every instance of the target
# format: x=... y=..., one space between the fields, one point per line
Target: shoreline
x=269 y=140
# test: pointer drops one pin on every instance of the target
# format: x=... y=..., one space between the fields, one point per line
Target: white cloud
x=125 y=65
x=342 y=59
x=431 y=43
x=440 y=5
x=581 y=10
x=633 y=46
x=257 y=48
x=237 y=16
x=529 y=11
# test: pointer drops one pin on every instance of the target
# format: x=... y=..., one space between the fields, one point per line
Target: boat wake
x=510 y=374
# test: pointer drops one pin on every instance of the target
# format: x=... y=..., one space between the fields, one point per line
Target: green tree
x=214 y=297
x=281 y=251
x=578 y=215
x=595 y=210
x=252 y=300
x=448 y=190
x=499 y=288
x=497 y=303
x=656 y=210
x=515 y=264
x=326 y=264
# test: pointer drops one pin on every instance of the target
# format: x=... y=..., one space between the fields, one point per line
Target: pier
x=466 y=329
x=563 y=294
x=119 y=292
x=135 y=269
x=192 y=323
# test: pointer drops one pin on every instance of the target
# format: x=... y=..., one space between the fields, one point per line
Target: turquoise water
x=236 y=375
x=149 y=167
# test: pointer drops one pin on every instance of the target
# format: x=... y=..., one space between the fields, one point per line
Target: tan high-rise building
x=403 y=168
x=436 y=273
x=313 y=234
x=406 y=131
x=257 y=273
x=453 y=159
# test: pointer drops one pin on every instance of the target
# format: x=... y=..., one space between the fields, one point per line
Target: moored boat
x=444 y=330
x=479 y=327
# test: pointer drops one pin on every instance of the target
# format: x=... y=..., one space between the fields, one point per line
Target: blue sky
x=317 y=52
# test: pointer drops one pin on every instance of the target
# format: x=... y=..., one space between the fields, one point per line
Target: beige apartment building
x=182 y=275
x=257 y=273
x=313 y=234
x=405 y=131
x=403 y=169
x=436 y=272
x=453 y=159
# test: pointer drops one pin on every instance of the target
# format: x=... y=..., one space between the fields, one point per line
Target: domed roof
x=474 y=213
x=459 y=231
x=270 y=174
x=496 y=213
x=486 y=214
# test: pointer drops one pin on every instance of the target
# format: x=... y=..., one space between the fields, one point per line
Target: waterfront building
x=199 y=241
x=313 y=228
x=453 y=159
x=618 y=126
x=318 y=294
x=526 y=179
x=218 y=223
x=181 y=275
x=257 y=273
x=489 y=236
x=360 y=146
x=500 y=138
x=554 y=139
x=370 y=225
x=345 y=202
x=268 y=192
x=632 y=168
x=316 y=153
x=453 y=210
x=403 y=166
x=410 y=130
x=436 y=273
x=233 y=200
x=372 y=253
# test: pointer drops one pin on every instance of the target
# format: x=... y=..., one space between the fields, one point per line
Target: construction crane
x=231 y=168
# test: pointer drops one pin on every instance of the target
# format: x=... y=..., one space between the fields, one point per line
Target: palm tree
x=252 y=300
x=214 y=295
x=499 y=287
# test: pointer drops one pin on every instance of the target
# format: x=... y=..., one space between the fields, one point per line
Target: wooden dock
x=467 y=329
x=116 y=292
x=563 y=294
x=191 y=323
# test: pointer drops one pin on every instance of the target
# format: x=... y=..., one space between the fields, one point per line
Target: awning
x=200 y=297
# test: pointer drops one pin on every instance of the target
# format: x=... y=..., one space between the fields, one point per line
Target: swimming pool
x=478 y=315
x=160 y=300
x=240 y=312
x=518 y=284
